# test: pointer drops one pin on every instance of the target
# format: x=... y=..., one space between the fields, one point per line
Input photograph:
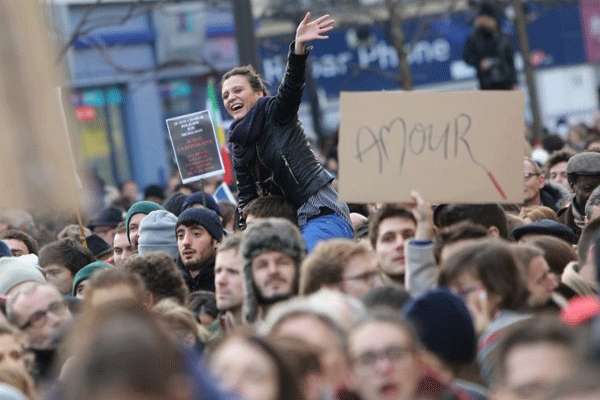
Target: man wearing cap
x=272 y=250
x=105 y=223
x=198 y=231
x=583 y=173
x=201 y=200
x=134 y=217
x=84 y=274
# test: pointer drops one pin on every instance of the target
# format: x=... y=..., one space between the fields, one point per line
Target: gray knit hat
x=17 y=270
x=157 y=233
x=270 y=234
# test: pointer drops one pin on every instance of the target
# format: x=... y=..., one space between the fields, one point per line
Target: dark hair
x=557 y=252
x=271 y=207
x=393 y=297
x=587 y=238
x=326 y=264
x=387 y=211
x=65 y=252
x=256 y=81
x=30 y=242
x=174 y=203
x=160 y=275
x=494 y=264
x=121 y=346
x=154 y=191
x=227 y=211
x=455 y=233
x=534 y=331
x=487 y=215
x=288 y=382
x=556 y=158
x=116 y=276
x=203 y=302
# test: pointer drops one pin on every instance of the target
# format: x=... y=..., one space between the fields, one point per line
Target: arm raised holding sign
x=270 y=150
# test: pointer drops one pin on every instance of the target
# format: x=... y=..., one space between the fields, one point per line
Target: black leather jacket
x=285 y=164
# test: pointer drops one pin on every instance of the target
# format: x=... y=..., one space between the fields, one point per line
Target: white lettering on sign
x=381 y=55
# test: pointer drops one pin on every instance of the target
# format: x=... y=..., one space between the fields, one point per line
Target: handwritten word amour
x=449 y=140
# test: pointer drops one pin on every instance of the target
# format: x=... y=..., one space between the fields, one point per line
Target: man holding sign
x=270 y=152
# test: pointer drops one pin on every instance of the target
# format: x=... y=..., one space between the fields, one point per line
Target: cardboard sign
x=195 y=145
x=451 y=147
x=37 y=172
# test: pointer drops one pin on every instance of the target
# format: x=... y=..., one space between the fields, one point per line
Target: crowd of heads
x=174 y=299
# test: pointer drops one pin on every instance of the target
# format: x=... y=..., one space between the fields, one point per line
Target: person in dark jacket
x=198 y=231
x=271 y=154
x=583 y=173
x=489 y=51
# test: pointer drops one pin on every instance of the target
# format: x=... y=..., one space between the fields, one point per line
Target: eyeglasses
x=528 y=176
x=392 y=353
x=39 y=318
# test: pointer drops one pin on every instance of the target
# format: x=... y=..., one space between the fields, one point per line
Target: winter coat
x=495 y=46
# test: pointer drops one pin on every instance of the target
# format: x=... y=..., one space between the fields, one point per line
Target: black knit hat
x=444 y=325
x=204 y=217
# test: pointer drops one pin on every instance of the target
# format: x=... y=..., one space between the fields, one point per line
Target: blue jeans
x=325 y=227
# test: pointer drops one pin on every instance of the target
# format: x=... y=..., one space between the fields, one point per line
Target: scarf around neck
x=244 y=133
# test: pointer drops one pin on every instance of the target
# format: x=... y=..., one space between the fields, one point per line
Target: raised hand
x=310 y=30
x=424 y=216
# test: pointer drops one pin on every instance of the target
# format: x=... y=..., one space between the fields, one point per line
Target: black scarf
x=244 y=133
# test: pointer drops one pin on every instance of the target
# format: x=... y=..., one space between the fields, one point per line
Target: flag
x=212 y=105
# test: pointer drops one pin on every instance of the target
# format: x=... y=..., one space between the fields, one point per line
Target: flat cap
x=546 y=227
x=586 y=163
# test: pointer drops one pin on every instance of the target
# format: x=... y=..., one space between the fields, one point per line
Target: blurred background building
x=132 y=64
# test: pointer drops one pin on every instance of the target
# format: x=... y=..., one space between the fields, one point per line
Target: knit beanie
x=86 y=273
x=174 y=204
x=140 y=207
x=157 y=233
x=202 y=198
x=444 y=325
x=205 y=218
x=270 y=234
x=17 y=270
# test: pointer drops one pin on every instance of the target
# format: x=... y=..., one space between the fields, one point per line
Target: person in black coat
x=489 y=51
x=271 y=155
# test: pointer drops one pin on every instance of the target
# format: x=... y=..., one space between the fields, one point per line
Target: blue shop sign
x=435 y=54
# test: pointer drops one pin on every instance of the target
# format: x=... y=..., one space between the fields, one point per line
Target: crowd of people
x=292 y=294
